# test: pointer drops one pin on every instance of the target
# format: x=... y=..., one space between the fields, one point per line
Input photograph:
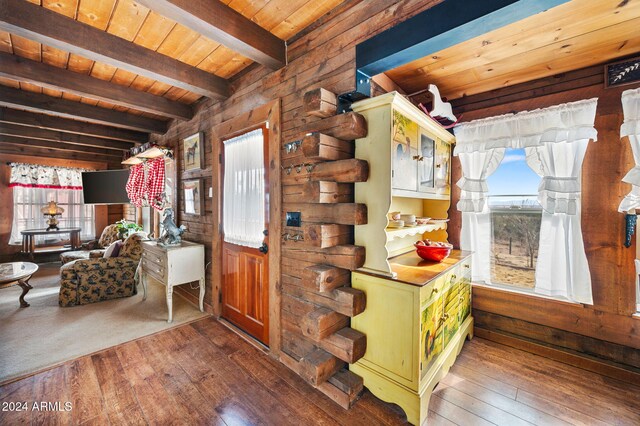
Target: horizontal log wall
x=574 y=327
x=322 y=57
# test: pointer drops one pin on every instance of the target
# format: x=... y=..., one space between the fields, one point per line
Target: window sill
x=530 y=293
x=636 y=316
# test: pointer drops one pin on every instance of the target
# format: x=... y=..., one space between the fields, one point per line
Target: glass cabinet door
x=426 y=163
x=430 y=334
x=442 y=168
x=404 y=153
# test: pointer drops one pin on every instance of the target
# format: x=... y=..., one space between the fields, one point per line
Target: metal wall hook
x=310 y=167
x=299 y=168
x=292 y=146
x=286 y=237
x=288 y=170
x=298 y=237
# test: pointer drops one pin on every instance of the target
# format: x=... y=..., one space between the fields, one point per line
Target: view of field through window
x=515 y=220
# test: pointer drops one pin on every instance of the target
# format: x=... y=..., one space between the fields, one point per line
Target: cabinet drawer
x=153 y=257
x=434 y=289
x=155 y=270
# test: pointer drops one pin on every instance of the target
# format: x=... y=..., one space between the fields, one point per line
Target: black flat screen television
x=105 y=187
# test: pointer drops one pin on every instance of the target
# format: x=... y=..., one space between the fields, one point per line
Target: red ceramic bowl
x=436 y=254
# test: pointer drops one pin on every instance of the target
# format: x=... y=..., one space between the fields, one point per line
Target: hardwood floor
x=202 y=373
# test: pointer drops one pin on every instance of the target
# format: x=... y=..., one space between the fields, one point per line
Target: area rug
x=44 y=334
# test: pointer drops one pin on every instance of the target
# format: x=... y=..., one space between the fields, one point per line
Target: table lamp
x=52 y=210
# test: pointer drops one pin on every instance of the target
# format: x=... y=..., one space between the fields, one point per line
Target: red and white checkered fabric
x=155 y=183
x=136 y=185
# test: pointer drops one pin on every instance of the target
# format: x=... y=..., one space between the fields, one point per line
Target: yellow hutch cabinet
x=418 y=312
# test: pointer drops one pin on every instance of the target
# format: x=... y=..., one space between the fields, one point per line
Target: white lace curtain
x=27 y=203
x=555 y=141
x=631 y=129
x=244 y=190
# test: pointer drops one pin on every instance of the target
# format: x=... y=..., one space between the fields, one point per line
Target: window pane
x=515 y=220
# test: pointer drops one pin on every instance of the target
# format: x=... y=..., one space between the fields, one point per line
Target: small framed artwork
x=193 y=196
x=622 y=72
x=192 y=152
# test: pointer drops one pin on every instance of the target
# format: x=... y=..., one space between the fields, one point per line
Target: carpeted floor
x=44 y=334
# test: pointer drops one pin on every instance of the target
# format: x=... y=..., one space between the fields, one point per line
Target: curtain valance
x=38 y=176
x=631 y=129
x=568 y=122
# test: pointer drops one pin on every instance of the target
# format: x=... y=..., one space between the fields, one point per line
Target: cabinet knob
x=466 y=265
x=434 y=291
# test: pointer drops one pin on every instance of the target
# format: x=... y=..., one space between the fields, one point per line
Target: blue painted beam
x=444 y=25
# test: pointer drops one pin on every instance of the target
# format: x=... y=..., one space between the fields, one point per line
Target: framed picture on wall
x=192 y=152
x=193 y=196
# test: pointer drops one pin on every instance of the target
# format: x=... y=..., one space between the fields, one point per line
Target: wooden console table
x=172 y=266
x=29 y=244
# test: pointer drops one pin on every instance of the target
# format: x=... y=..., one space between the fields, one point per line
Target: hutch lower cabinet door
x=414 y=334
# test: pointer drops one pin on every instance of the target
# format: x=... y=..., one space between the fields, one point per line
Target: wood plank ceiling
x=73 y=72
x=575 y=35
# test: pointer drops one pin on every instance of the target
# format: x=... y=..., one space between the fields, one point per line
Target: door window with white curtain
x=27 y=203
x=244 y=190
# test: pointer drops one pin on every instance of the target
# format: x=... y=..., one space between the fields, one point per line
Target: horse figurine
x=441 y=111
x=171 y=234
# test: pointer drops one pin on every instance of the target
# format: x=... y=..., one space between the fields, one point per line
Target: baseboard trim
x=610 y=369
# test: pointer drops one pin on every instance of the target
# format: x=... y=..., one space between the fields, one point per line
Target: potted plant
x=126 y=228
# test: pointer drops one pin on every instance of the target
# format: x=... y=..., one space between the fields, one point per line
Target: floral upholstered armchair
x=85 y=281
x=93 y=249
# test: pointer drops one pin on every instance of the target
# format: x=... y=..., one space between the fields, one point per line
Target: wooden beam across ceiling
x=60 y=146
x=22 y=149
x=37 y=102
x=38 y=73
x=219 y=22
x=43 y=121
x=54 y=136
x=55 y=30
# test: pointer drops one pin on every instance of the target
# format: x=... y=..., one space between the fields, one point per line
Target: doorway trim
x=268 y=113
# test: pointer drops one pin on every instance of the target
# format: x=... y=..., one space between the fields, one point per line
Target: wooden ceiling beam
x=43 y=121
x=37 y=102
x=55 y=30
x=22 y=149
x=59 y=146
x=38 y=73
x=219 y=22
x=54 y=136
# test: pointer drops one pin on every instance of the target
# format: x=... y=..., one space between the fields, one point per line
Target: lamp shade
x=52 y=209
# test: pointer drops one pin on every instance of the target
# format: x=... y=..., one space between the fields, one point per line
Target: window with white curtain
x=27 y=203
x=630 y=130
x=244 y=190
x=554 y=141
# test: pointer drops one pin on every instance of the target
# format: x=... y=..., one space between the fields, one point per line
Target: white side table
x=173 y=266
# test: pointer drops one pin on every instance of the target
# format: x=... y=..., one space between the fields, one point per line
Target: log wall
x=323 y=56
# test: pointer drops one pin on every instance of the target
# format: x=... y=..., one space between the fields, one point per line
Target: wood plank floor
x=202 y=373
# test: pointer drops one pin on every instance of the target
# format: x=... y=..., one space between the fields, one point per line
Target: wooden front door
x=245 y=275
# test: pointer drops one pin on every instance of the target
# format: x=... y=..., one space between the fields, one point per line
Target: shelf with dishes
x=410 y=231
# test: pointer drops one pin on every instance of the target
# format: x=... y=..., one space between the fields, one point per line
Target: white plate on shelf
x=434 y=221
